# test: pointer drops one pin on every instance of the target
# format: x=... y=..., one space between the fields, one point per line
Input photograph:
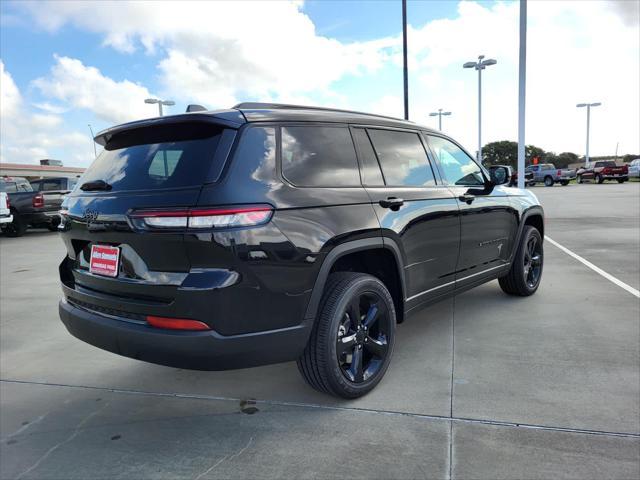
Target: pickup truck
x=604 y=170
x=548 y=174
x=5 y=212
x=28 y=207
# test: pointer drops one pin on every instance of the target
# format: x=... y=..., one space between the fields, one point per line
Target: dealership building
x=46 y=169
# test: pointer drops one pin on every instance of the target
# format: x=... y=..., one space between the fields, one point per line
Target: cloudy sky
x=64 y=65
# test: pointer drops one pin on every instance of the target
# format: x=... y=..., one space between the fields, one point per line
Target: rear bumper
x=41 y=218
x=6 y=218
x=196 y=350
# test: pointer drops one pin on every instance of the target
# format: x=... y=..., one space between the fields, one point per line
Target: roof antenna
x=195 y=108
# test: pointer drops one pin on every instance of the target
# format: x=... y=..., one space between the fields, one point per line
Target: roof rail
x=284 y=106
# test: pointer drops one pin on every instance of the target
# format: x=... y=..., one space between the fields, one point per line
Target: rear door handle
x=468 y=199
x=393 y=203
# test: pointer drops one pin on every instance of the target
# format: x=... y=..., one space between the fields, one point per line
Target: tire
x=564 y=183
x=52 y=228
x=521 y=281
x=621 y=180
x=548 y=182
x=599 y=178
x=320 y=364
x=17 y=227
x=579 y=178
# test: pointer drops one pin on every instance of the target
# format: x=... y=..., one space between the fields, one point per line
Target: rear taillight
x=559 y=172
x=204 y=218
x=38 y=201
x=8 y=202
x=176 y=323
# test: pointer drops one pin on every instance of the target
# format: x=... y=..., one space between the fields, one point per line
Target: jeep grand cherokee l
x=268 y=233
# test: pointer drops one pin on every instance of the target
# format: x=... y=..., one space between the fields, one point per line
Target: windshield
x=177 y=158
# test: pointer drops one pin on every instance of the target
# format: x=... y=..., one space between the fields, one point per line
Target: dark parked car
x=268 y=233
x=603 y=170
x=28 y=207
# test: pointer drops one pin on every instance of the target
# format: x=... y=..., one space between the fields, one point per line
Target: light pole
x=588 y=105
x=160 y=103
x=93 y=142
x=479 y=66
x=439 y=113
x=405 y=70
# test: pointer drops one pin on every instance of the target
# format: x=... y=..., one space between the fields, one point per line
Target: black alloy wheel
x=352 y=340
x=525 y=274
x=532 y=262
x=361 y=343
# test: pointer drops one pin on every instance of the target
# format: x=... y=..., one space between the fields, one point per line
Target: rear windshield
x=12 y=187
x=606 y=164
x=163 y=157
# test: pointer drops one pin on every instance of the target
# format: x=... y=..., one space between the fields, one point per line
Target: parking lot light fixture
x=439 y=114
x=480 y=65
x=588 y=105
x=160 y=103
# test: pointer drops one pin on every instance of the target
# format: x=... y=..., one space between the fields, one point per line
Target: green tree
x=503 y=152
x=564 y=159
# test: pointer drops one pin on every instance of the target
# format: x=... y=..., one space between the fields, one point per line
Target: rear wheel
x=579 y=178
x=525 y=274
x=621 y=180
x=352 y=340
x=548 y=182
x=564 y=183
x=17 y=227
x=599 y=178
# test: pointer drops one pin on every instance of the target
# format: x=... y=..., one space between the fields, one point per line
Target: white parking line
x=598 y=270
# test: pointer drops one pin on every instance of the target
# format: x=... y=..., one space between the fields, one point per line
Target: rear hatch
x=150 y=167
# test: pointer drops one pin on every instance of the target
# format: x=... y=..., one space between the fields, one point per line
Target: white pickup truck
x=5 y=213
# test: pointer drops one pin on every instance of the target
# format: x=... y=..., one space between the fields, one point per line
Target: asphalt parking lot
x=481 y=386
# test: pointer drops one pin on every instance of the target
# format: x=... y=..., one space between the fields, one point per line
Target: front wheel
x=579 y=178
x=525 y=274
x=352 y=340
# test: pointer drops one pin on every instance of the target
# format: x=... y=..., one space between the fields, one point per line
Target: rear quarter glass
x=157 y=158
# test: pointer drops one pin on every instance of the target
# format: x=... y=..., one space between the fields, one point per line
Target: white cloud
x=28 y=137
x=218 y=52
x=85 y=87
x=577 y=52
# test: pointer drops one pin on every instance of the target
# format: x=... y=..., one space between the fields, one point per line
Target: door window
x=458 y=167
x=369 y=166
x=315 y=156
x=402 y=157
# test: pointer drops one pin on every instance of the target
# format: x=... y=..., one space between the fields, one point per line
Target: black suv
x=268 y=233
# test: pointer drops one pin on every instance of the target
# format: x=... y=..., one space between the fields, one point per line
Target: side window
x=370 y=169
x=48 y=185
x=458 y=167
x=164 y=163
x=402 y=157
x=37 y=186
x=315 y=156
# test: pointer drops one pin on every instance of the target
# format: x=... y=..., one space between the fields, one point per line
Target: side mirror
x=499 y=175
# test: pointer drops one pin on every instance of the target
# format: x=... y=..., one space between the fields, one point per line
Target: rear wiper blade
x=95 y=185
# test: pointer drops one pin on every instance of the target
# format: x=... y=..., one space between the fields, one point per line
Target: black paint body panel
x=263 y=284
